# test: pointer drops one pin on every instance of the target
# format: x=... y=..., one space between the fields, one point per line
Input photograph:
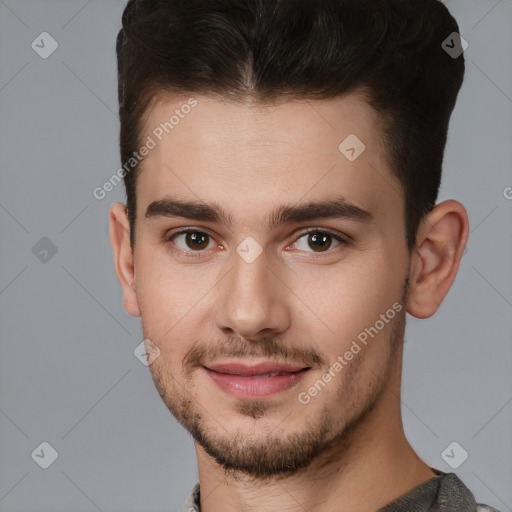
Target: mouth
x=257 y=381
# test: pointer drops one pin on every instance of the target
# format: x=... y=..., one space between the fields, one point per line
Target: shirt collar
x=442 y=493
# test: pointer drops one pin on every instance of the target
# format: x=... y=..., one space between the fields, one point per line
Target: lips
x=257 y=381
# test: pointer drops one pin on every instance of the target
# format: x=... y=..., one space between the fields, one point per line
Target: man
x=282 y=161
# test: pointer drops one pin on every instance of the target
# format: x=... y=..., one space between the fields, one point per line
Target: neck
x=370 y=467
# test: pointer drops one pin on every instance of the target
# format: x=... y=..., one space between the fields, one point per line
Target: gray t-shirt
x=443 y=493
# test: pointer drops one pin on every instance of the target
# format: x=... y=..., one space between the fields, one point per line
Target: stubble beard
x=324 y=436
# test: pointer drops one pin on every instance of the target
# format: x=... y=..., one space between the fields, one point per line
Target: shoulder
x=454 y=493
x=485 y=508
x=192 y=504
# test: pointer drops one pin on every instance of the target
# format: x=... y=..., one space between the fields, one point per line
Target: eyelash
x=346 y=241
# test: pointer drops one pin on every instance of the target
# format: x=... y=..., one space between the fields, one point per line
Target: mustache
x=236 y=347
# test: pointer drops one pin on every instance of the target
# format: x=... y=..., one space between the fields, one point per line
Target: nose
x=252 y=300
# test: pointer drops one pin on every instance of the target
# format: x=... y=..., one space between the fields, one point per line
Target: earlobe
x=440 y=242
x=123 y=256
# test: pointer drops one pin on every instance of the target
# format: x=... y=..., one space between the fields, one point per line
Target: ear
x=123 y=256
x=440 y=242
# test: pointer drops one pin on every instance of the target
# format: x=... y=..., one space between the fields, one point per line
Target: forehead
x=246 y=154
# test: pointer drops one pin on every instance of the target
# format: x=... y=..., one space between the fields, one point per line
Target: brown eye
x=318 y=241
x=191 y=240
x=196 y=240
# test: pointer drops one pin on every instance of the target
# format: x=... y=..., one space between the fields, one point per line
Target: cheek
x=339 y=304
x=172 y=301
x=158 y=298
x=164 y=291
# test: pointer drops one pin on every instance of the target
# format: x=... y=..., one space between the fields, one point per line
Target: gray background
x=68 y=375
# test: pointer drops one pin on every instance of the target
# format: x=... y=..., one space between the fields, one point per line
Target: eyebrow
x=338 y=208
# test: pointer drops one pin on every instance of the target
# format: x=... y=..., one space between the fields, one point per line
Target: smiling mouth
x=257 y=381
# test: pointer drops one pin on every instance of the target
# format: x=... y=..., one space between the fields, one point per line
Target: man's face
x=258 y=287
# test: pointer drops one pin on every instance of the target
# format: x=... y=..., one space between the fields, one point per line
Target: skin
x=346 y=448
